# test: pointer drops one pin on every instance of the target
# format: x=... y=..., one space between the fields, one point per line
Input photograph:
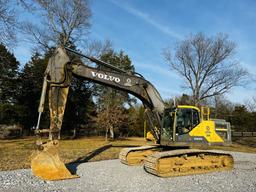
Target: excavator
x=174 y=128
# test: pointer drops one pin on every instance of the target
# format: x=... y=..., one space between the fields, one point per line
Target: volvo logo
x=128 y=82
x=105 y=77
x=208 y=131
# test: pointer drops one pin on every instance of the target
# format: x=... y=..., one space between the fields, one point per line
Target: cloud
x=163 y=28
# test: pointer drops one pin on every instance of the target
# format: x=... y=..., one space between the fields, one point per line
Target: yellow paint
x=188 y=107
x=145 y=129
x=206 y=129
x=150 y=137
x=205 y=113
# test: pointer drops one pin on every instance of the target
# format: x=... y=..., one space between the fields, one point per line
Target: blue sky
x=143 y=28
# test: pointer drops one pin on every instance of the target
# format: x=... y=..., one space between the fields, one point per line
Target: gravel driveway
x=111 y=175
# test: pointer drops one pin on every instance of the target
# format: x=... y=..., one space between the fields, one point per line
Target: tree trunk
x=112 y=135
x=106 y=136
x=74 y=133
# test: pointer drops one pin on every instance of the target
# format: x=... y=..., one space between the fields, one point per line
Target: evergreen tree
x=80 y=106
x=10 y=112
x=242 y=119
x=108 y=96
x=136 y=121
x=31 y=80
x=110 y=100
x=9 y=67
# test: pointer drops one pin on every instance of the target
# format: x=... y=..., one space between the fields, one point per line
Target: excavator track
x=187 y=162
x=136 y=155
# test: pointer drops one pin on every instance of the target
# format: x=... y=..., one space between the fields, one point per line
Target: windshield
x=168 y=119
x=187 y=119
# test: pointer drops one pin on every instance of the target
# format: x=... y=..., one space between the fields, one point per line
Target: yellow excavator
x=174 y=129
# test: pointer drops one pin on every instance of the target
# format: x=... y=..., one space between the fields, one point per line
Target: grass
x=15 y=154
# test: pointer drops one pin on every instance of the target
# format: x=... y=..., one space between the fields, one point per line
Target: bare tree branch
x=63 y=22
x=251 y=104
x=207 y=65
x=7 y=23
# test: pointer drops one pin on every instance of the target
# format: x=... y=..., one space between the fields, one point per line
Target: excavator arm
x=59 y=73
x=61 y=69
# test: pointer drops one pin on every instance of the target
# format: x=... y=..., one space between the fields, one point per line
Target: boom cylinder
x=42 y=101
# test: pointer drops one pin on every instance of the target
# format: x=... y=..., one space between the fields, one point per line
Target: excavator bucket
x=46 y=164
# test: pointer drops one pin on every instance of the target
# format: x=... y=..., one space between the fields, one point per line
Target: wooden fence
x=243 y=134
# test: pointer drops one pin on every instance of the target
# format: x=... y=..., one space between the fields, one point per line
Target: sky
x=143 y=28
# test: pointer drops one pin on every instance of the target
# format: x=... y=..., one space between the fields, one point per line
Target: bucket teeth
x=46 y=164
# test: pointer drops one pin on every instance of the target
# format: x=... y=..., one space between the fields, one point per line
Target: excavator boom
x=46 y=163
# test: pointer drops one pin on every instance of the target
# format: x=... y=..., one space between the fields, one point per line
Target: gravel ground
x=111 y=175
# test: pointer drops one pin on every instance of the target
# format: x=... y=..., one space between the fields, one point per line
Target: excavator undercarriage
x=165 y=162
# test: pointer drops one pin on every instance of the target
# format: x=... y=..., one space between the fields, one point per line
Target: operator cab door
x=167 y=126
x=177 y=123
x=186 y=120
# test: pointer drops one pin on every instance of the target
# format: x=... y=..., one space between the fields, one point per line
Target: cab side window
x=195 y=118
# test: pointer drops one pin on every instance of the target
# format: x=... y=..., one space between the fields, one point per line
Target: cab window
x=167 y=130
x=187 y=119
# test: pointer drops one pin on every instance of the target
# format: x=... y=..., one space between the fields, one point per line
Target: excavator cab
x=178 y=122
x=186 y=124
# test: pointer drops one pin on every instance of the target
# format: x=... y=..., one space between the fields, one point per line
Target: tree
x=7 y=23
x=136 y=119
x=184 y=99
x=80 y=106
x=12 y=114
x=63 y=22
x=112 y=118
x=108 y=96
x=109 y=99
x=251 y=104
x=31 y=80
x=206 y=65
x=240 y=118
x=223 y=108
x=8 y=76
